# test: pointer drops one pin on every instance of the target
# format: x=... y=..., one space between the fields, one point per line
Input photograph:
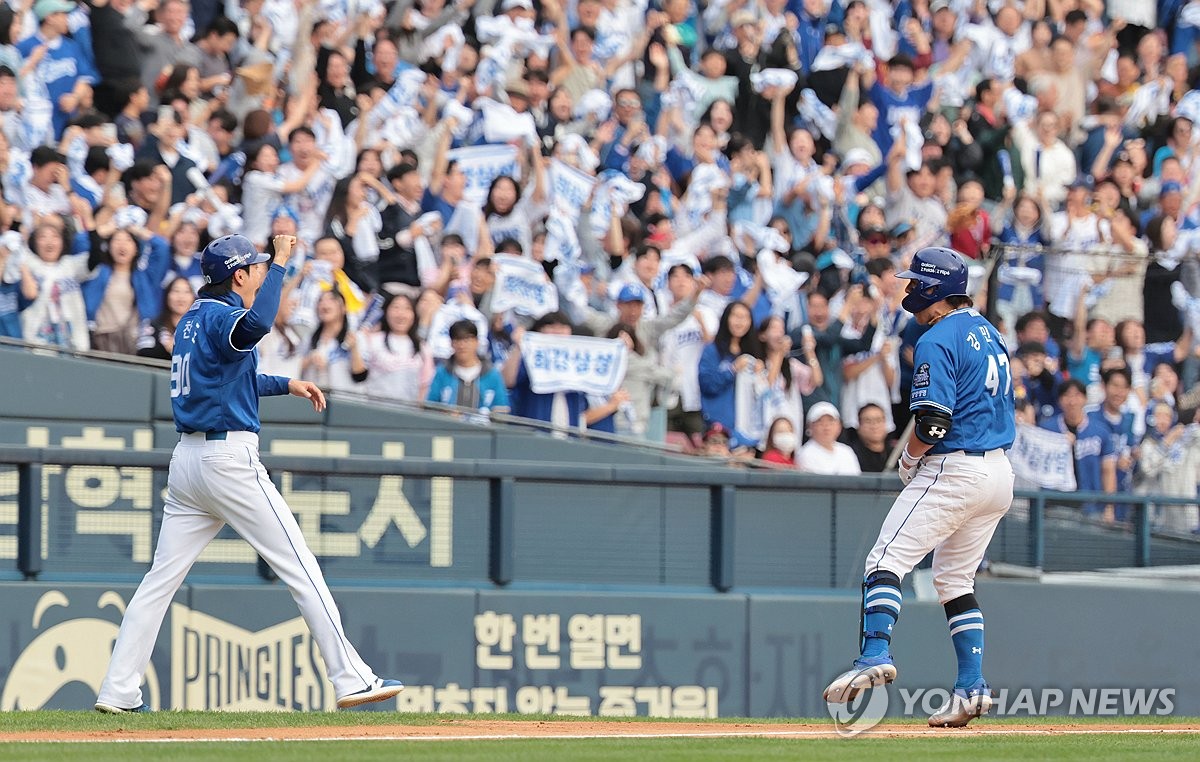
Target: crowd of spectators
x=754 y=173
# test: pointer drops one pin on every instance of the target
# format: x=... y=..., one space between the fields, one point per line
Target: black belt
x=972 y=453
x=216 y=436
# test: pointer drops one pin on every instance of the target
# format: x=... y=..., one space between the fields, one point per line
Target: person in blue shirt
x=899 y=100
x=958 y=484
x=131 y=259
x=1023 y=266
x=465 y=380
x=97 y=168
x=1092 y=443
x=1039 y=382
x=1032 y=327
x=1122 y=427
x=1090 y=344
x=185 y=255
x=735 y=348
x=216 y=477
x=16 y=284
x=561 y=409
x=63 y=65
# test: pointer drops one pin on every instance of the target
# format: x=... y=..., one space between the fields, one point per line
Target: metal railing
x=502 y=476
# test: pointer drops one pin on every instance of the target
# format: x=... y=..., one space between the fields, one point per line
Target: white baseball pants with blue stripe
x=213 y=483
x=952 y=508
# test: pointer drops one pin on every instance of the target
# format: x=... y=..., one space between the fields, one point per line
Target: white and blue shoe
x=964 y=705
x=380 y=690
x=867 y=672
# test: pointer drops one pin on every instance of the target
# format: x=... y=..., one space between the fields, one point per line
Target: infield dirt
x=500 y=729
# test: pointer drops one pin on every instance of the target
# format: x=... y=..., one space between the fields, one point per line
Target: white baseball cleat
x=380 y=690
x=964 y=705
x=866 y=673
x=114 y=709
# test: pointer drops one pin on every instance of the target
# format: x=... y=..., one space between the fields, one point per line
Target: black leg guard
x=877 y=577
x=961 y=604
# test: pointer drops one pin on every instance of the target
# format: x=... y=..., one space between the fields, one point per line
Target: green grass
x=662 y=750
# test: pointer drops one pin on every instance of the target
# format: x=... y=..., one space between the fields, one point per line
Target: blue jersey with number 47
x=960 y=369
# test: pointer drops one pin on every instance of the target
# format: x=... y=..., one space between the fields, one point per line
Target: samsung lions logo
x=920 y=378
x=72 y=653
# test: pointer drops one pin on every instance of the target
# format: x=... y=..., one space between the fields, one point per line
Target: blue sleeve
x=501 y=393
x=256 y=322
x=922 y=94
x=865 y=181
x=714 y=378
x=876 y=94
x=616 y=156
x=677 y=164
x=837 y=13
x=436 y=385
x=93 y=290
x=933 y=383
x=272 y=386
x=83 y=38
x=82 y=243
x=158 y=259
x=1106 y=442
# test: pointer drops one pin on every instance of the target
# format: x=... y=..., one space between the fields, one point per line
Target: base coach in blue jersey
x=216 y=478
x=958 y=484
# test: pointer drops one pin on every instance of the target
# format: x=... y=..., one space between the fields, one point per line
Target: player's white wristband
x=907 y=459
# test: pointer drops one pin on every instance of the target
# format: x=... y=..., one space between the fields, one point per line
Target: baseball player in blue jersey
x=216 y=478
x=958 y=483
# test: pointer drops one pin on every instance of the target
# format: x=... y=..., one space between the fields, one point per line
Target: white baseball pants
x=951 y=507
x=210 y=484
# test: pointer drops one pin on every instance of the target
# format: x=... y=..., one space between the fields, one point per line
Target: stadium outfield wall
x=713 y=593
x=595 y=653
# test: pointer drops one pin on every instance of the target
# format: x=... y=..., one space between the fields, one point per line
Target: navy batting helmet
x=939 y=272
x=226 y=254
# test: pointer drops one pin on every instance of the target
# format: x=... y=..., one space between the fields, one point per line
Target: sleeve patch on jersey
x=921 y=376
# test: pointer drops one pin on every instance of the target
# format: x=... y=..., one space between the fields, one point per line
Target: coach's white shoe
x=964 y=705
x=114 y=709
x=380 y=690
x=866 y=673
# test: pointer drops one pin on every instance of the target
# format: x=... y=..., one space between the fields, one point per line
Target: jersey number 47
x=997 y=365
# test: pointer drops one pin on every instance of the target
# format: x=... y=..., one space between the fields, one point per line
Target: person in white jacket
x=1169 y=464
x=1049 y=164
x=822 y=453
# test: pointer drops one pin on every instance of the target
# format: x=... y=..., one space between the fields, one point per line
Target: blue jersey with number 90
x=961 y=369
x=214 y=384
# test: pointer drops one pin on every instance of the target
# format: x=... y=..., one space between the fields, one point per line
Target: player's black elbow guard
x=932 y=427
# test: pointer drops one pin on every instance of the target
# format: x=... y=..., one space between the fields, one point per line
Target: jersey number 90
x=181 y=368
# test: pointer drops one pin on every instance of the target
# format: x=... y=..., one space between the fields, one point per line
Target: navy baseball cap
x=631 y=293
x=227 y=254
